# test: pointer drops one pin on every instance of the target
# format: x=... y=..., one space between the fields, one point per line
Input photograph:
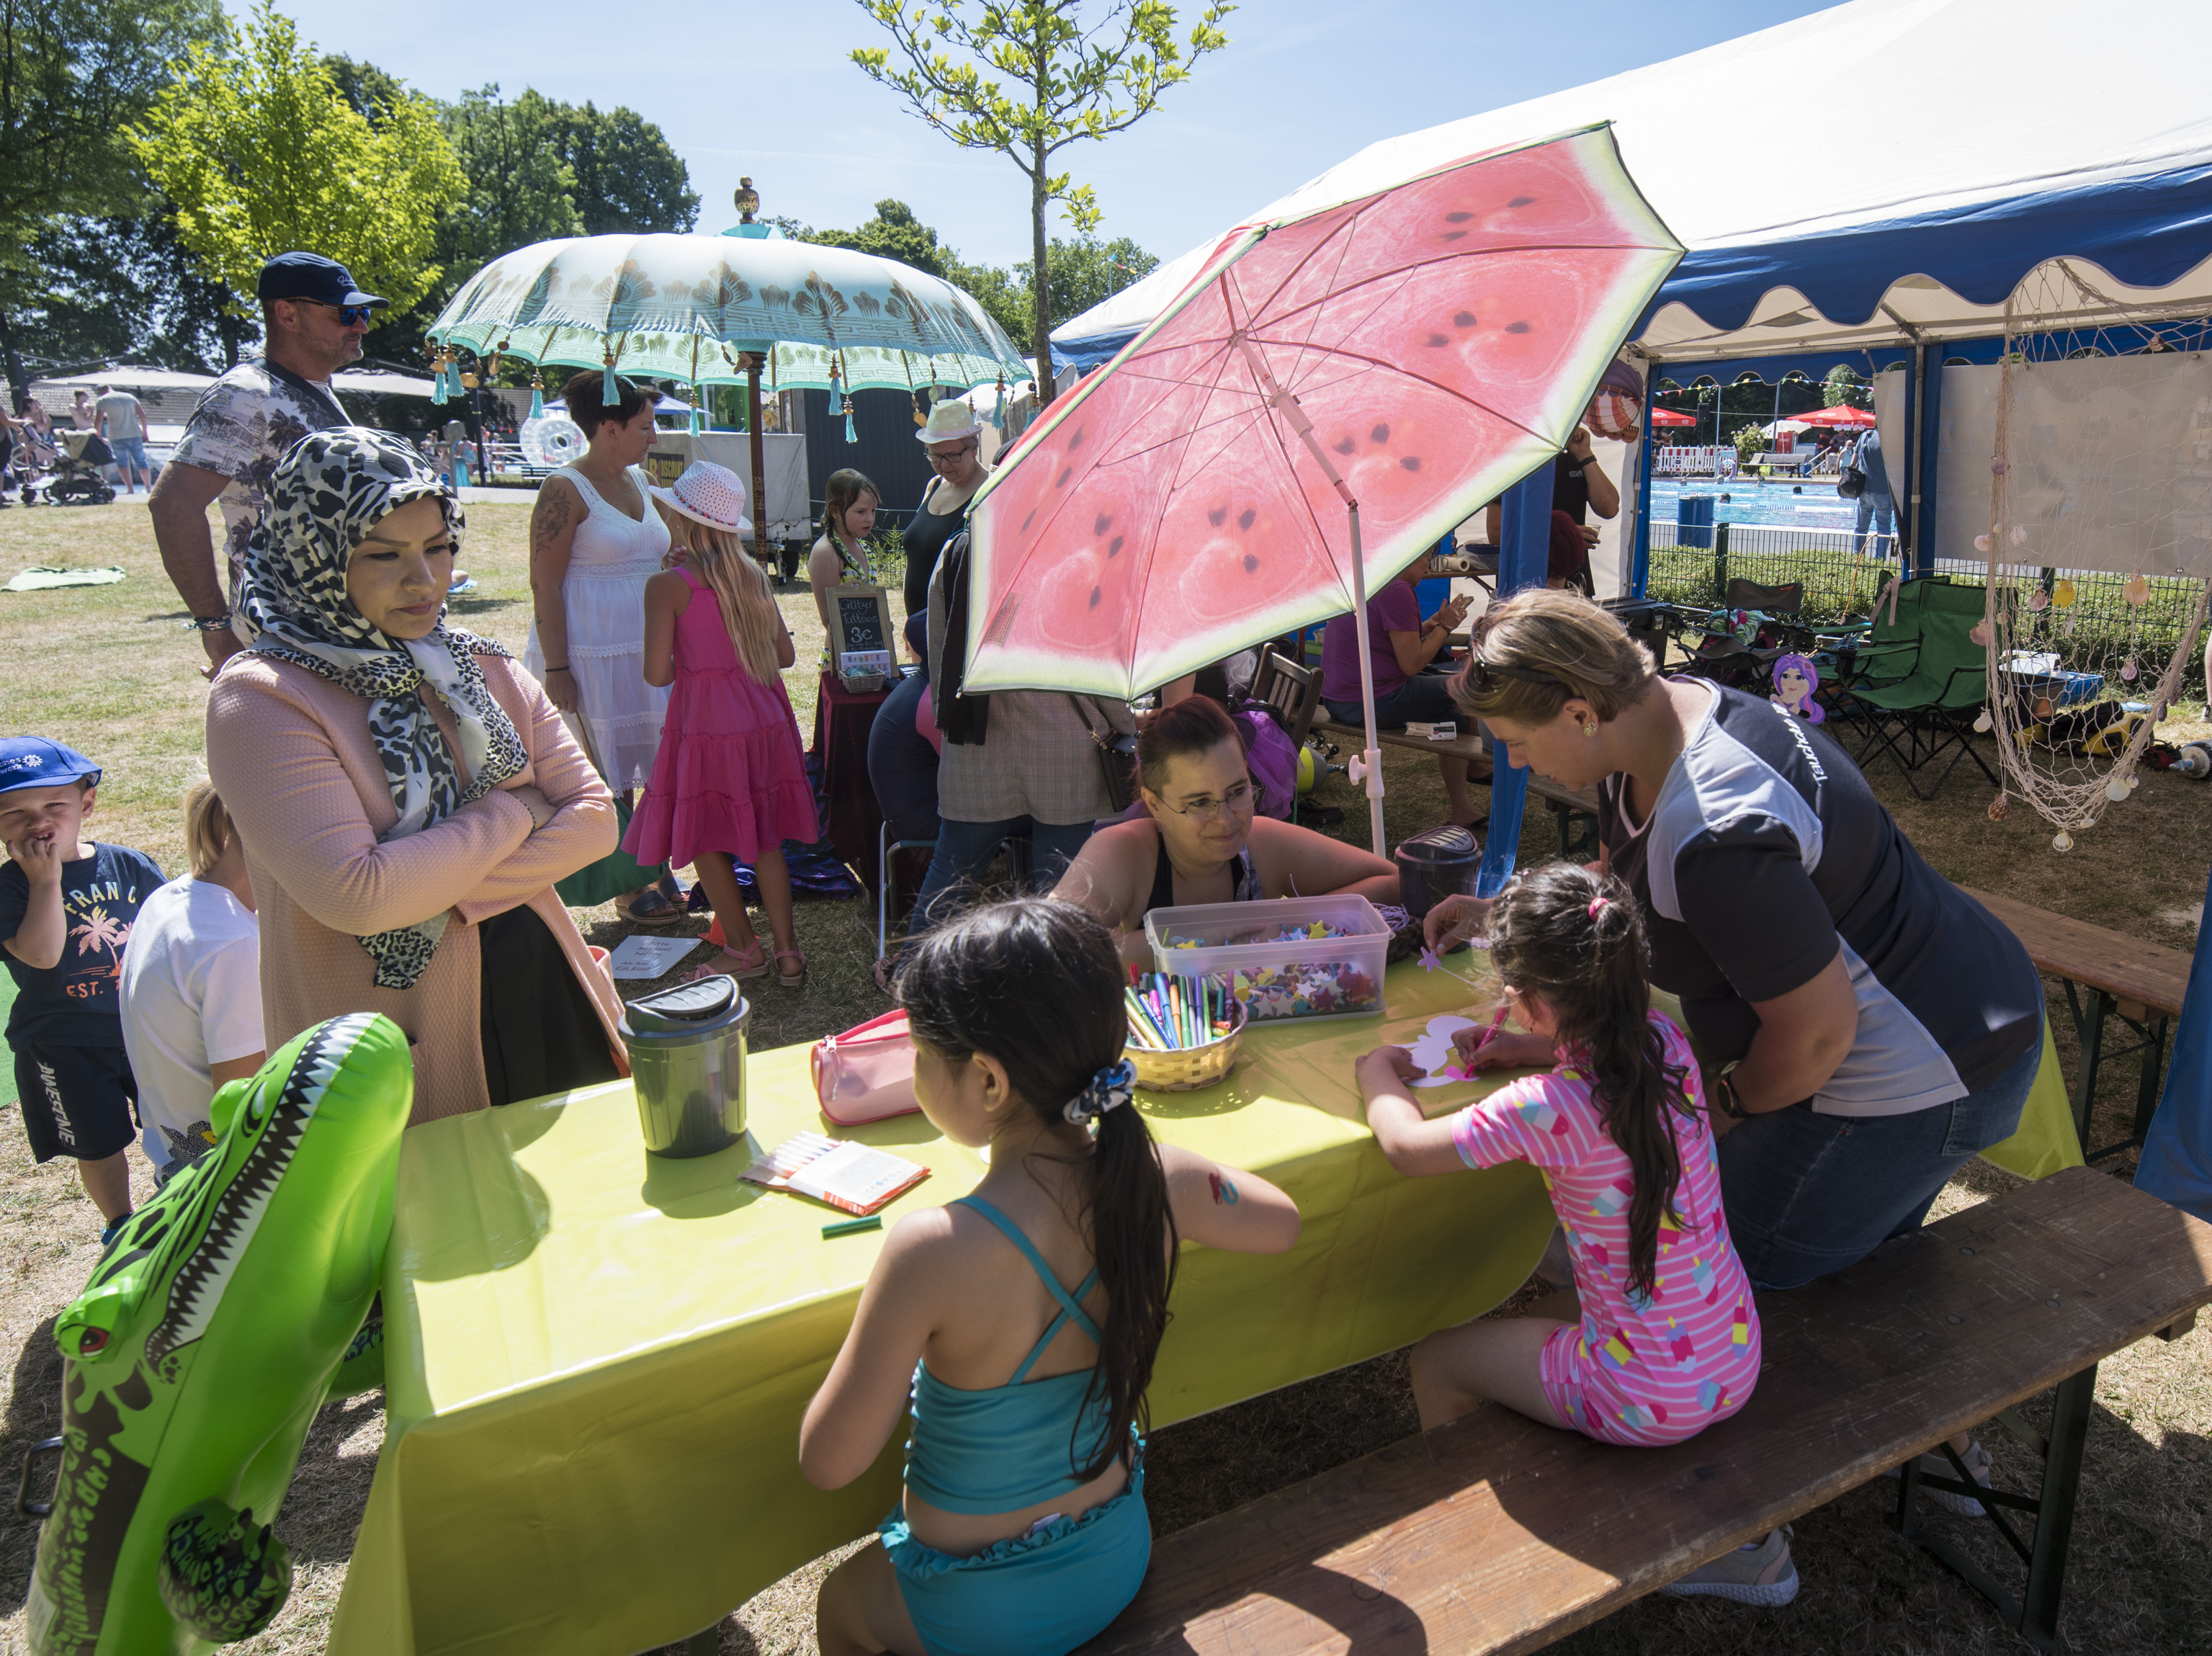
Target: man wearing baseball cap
x=313 y=317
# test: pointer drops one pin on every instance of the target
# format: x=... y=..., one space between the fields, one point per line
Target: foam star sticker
x=1429 y=961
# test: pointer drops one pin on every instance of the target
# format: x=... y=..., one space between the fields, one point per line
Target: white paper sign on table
x=641 y=957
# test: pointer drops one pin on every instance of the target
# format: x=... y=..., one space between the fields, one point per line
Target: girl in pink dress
x=729 y=779
x=1659 y=1338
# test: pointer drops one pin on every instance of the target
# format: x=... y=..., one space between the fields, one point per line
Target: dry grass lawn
x=107 y=670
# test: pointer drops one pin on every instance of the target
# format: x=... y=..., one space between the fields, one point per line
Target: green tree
x=124 y=287
x=1840 y=386
x=893 y=233
x=1031 y=77
x=73 y=74
x=1004 y=295
x=260 y=151
x=1088 y=271
x=519 y=191
x=369 y=89
x=629 y=180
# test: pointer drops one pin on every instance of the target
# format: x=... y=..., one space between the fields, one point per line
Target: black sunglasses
x=1483 y=675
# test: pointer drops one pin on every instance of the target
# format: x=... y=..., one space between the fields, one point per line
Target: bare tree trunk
x=1040 y=273
x=18 y=382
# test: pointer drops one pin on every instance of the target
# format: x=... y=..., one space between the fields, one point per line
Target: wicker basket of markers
x=1183 y=1031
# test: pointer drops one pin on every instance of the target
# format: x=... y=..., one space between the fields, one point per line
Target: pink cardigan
x=291 y=754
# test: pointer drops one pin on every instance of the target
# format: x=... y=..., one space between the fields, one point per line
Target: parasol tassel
x=537 y=399
x=608 y=395
x=438 y=380
x=694 y=416
x=851 y=436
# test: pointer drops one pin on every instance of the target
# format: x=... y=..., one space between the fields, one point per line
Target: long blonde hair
x=740 y=588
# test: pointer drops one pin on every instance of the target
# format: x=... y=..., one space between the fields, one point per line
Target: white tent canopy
x=1981 y=138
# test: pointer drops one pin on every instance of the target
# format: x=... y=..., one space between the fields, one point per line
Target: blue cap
x=311 y=276
x=34 y=762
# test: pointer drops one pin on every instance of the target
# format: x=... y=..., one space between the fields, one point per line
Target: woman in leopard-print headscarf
x=405 y=794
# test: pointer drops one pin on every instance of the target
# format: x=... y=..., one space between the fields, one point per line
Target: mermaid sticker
x=1795 y=678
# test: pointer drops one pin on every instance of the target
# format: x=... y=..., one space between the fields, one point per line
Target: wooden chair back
x=1293 y=690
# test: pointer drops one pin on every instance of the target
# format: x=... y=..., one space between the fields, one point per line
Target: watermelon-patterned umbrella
x=1330 y=395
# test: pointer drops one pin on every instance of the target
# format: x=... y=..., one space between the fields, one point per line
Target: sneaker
x=1757 y=1573
x=1936 y=1464
x=110 y=1231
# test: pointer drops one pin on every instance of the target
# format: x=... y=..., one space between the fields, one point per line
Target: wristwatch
x=208 y=623
x=1724 y=1092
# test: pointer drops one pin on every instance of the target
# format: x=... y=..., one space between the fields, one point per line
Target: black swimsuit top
x=924 y=541
x=1243 y=880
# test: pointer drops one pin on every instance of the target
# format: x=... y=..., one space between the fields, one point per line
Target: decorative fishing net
x=2098 y=542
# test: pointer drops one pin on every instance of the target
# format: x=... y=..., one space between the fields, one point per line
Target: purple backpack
x=1272 y=759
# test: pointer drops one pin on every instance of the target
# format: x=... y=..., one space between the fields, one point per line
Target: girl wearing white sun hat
x=954 y=436
x=729 y=780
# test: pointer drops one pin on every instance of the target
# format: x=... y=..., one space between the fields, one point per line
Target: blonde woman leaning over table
x=406 y=794
x=1202 y=839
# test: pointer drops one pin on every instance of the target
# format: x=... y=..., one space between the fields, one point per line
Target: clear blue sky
x=770 y=91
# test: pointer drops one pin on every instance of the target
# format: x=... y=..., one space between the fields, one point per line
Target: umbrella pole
x=1367 y=769
x=1370 y=773
x=760 y=481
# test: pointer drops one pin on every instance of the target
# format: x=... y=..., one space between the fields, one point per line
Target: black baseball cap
x=311 y=276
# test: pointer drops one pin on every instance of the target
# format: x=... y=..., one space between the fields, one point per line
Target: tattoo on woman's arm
x=1224 y=1193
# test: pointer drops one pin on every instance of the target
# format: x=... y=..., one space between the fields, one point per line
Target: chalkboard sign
x=863 y=615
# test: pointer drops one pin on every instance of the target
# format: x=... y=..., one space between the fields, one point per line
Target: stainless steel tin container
x=687 y=1062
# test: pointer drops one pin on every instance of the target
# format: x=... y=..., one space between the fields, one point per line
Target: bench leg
x=2035 y=1612
x=2154 y=1072
x=2089 y=1031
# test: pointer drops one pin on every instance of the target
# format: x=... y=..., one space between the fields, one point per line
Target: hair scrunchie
x=1109 y=1089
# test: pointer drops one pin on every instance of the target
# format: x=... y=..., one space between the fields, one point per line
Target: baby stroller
x=77 y=478
x=32 y=456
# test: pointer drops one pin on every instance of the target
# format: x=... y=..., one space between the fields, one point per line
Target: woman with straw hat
x=954 y=437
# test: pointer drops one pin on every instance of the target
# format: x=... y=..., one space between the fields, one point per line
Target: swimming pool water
x=1768 y=503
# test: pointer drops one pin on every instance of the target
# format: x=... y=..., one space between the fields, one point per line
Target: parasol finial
x=746 y=199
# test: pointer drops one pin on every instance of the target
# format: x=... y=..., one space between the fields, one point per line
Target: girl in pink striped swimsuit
x=1660 y=1337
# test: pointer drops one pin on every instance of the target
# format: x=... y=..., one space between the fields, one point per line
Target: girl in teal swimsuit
x=1023 y=1530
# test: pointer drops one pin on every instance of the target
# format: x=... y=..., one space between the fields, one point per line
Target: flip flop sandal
x=886 y=976
x=798 y=982
x=653 y=908
x=728 y=963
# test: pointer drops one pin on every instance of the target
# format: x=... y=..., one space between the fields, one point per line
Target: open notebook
x=843 y=1173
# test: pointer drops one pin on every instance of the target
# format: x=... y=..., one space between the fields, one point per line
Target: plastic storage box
x=1279 y=977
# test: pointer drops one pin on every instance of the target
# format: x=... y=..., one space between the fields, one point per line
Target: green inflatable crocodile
x=202 y=1345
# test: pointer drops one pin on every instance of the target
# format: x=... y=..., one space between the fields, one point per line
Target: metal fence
x=1840 y=579
x=2097 y=631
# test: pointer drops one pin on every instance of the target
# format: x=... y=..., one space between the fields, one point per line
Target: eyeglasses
x=1482 y=676
x=950 y=456
x=1235 y=801
x=348 y=314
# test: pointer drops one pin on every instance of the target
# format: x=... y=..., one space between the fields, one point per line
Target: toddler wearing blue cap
x=67 y=905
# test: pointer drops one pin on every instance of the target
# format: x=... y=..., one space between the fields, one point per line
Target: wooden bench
x=1573 y=809
x=1495 y=1534
x=2143 y=984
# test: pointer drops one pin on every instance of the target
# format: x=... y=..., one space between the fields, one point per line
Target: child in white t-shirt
x=191 y=988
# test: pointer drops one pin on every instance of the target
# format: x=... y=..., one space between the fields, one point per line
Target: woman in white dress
x=594 y=542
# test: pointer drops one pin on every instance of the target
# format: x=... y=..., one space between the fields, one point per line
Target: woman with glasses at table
x=1202 y=839
x=953 y=436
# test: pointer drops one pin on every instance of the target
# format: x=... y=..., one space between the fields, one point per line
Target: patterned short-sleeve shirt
x=243 y=425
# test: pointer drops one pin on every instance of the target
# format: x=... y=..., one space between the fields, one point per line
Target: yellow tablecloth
x=598 y=1360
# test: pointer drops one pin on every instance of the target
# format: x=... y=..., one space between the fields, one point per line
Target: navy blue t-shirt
x=78 y=1002
x=1765 y=855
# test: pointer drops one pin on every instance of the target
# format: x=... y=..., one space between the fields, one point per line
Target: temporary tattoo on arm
x=551 y=516
x=1224 y=1193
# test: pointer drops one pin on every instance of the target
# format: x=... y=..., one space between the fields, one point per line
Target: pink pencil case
x=867 y=1073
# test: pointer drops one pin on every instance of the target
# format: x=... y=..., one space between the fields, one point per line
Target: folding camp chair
x=1931 y=709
